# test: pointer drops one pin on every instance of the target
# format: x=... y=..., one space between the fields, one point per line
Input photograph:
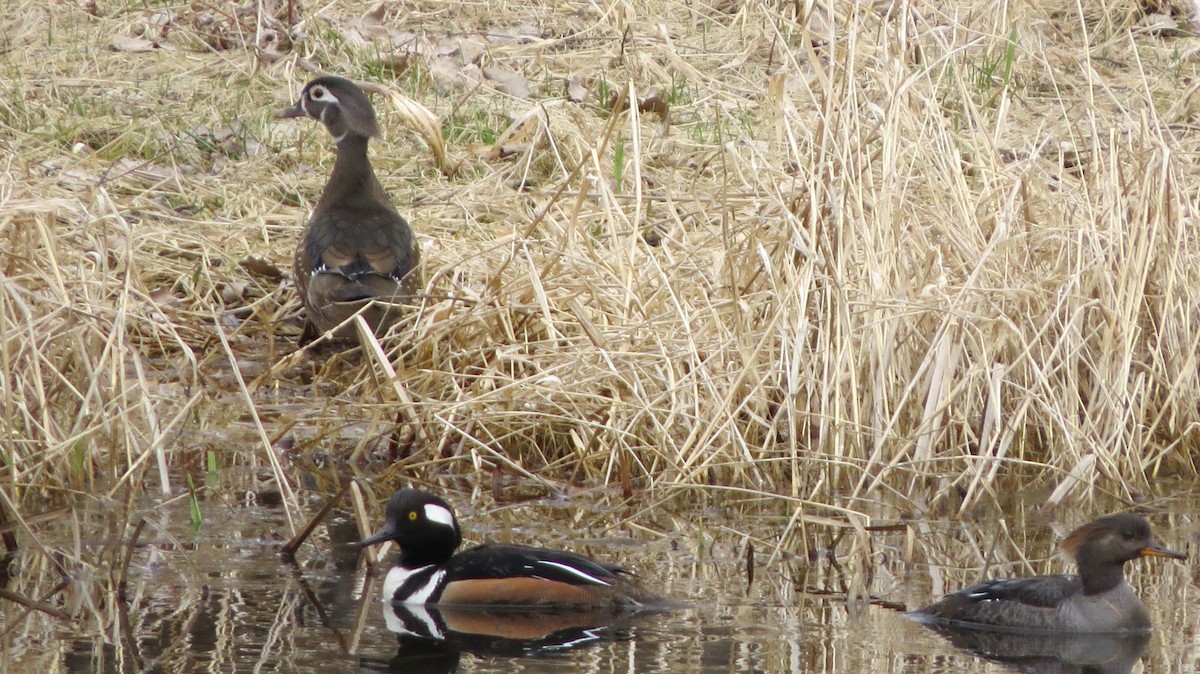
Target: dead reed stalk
x=824 y=251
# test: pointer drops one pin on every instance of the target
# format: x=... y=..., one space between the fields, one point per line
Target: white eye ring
x=321 y=94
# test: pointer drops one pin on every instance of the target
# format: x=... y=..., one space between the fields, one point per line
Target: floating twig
x=34 y=605
x=288 y=553
x=122 y=583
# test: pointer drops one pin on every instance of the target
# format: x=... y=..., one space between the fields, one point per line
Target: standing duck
x=356 y=248
x=1096 y=600
x=428 y=571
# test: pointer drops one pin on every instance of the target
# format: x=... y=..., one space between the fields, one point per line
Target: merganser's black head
x=423 y=525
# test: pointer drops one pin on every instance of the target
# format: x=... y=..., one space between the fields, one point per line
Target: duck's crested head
x=339 y=104
x=423 y=525
x=1115 y=539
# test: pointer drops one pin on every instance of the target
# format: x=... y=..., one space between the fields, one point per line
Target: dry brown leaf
x=376 y=15
x=444 y=71
x=496 y=152
x=163 y=297
x=651 y=103
x=366 y=29
x=508 y=81
x=75 y=178
x=462 y=49
x=146 y=174
x=232 y=294
x=576 y=92
x=1160 y=25
x=132 y=45
x=449 y=73
x=397 y=63
x=521 y=34
x=656 y=104
x=111 y=249
x=354 y=37
x=409 y=42
x=261 y=267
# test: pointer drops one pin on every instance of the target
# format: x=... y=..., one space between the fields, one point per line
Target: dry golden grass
x=870 y=252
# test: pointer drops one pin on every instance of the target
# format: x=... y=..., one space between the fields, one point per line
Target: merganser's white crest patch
x=436 y=513
x=575 y=572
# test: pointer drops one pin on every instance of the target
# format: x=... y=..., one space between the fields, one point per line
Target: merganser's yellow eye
x=412 y=516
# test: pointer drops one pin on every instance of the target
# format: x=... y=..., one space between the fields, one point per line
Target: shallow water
x=218 y=598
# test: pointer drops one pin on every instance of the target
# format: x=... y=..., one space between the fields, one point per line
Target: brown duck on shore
x=356 y=250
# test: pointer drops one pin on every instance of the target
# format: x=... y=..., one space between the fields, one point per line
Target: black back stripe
x=495 y=561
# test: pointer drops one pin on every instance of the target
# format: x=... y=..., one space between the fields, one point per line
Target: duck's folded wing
x=355 y=243
x=516 y=561
x=1041 y=591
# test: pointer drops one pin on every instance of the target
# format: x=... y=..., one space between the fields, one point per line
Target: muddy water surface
x=215 y=597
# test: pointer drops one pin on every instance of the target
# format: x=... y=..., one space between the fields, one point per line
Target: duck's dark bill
x=384 y=534
x=288 y=113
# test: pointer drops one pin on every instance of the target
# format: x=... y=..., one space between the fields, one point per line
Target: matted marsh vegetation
x=840 y=262
x=847 y=254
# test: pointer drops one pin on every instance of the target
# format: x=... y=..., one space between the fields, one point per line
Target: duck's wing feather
x=517 y=561
x=356 y=242
x=519 y=576
x=1012 y=604
x=1041 y=591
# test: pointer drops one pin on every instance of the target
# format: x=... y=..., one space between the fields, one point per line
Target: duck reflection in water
x=432 y=638
x=1050 y=653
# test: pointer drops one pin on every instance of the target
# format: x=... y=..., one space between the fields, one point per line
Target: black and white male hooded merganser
x=1096 y=600
x=356 y=247
x=428 y=571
